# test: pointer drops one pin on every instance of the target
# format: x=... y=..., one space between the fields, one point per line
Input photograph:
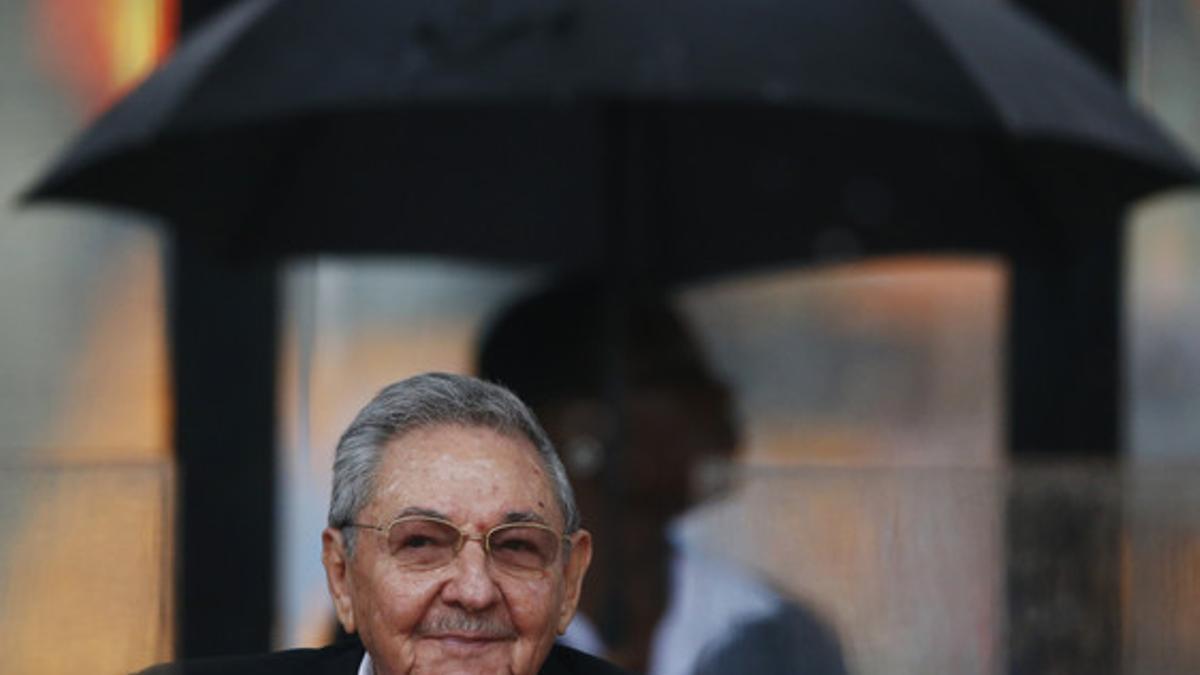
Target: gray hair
x=425 y=401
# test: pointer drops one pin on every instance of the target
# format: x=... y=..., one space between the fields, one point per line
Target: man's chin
x=450 y=654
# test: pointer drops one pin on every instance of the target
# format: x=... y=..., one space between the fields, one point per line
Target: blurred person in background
x=662 y=606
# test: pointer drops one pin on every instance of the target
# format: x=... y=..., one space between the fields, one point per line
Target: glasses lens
x=422 y=543
x=523 y=547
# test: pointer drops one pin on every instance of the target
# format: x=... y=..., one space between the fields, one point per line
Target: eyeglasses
x=422 y=543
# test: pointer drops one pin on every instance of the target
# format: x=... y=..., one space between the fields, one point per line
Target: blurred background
x=874 y=479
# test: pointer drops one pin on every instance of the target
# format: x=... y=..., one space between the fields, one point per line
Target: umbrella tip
x=34 y=192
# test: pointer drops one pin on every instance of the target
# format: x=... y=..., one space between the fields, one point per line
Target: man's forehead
x=429 y=469
x=506 y=519
x=418 y=444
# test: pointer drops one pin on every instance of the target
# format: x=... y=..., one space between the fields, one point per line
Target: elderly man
x=453 y=546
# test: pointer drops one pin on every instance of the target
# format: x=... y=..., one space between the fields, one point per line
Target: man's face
x=468 y=616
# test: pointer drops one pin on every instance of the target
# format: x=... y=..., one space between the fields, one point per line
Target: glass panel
x=82 y=349
x=85 y=489
x=888 y=362
x=903 y=567
x=1161 y=539
x=1164 y=245
x=965 y=570
x=1161 y=572
x=86 y=568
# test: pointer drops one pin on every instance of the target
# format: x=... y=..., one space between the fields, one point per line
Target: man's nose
x=471 y=585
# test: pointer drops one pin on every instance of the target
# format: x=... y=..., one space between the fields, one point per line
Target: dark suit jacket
x=344 y=657
x=792 y=639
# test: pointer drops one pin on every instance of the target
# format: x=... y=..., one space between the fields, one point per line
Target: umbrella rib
x=988 y=104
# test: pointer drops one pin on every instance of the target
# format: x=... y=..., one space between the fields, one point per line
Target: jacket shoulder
x=564 y=660
x=339 y=659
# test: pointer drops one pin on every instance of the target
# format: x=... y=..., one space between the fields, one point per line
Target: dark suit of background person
x=551 y=348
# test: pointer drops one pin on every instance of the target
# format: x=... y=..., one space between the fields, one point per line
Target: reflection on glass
x=86 y=569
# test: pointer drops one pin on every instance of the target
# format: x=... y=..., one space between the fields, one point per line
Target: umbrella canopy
x=678 y=137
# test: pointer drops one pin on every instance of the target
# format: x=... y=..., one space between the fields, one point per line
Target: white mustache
x=484 y=627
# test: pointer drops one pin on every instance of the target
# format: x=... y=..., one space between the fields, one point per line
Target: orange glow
x=90 y=554
x=100 y=48
x=908 y=293
x=86 y=572
x=119 y=407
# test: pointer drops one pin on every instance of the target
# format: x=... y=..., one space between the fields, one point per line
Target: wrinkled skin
x=466 y=617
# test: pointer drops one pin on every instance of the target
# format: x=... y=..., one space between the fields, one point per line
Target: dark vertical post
x=223 y=327
x=1065 y=398
x=1064 y=362
x=1064 y=348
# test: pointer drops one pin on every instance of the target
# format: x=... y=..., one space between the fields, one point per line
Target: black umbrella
x=681 y=137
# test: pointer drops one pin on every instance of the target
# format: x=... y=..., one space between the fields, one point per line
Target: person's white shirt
x=709 y=597
x=582 y=634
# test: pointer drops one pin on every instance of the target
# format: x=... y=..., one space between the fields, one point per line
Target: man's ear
x=577 y=566
x=337 y=576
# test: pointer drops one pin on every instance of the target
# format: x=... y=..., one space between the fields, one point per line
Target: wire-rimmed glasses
x=420 y=543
